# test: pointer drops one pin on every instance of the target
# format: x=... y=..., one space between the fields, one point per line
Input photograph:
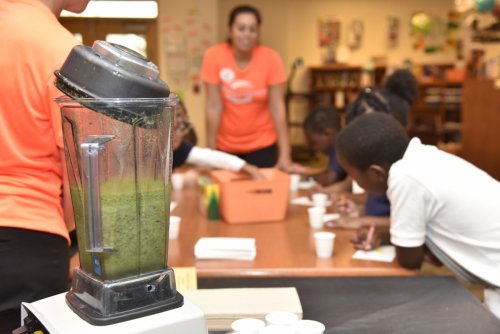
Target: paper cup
x=174 y=226
x=294 y=182
x=323 y=243
x=316 y=215
x=281 y=318
x=309 y=327
x=247 y=325
x=177 y=180
x=319 y=199
x=274 y=329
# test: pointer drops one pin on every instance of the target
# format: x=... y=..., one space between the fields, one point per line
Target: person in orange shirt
x=244 y=82
x=33 y=234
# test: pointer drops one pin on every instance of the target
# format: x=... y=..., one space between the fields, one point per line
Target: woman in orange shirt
x=244 y=83
x=34 y=238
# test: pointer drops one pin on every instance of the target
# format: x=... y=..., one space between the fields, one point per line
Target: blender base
x=57 y=318
x=105 y=303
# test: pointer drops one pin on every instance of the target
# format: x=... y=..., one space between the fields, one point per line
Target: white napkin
x=173 y=205
x=225 y=248
x=382 y=254
x=307 y=184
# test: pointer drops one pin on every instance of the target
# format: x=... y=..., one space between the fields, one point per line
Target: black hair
x=372 y=139
x=322 y=117
x=241 y=10
x=394 y=98
x=403 y=84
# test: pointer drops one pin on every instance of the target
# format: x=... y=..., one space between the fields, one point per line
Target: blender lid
x=111 y=71
x=127 y=58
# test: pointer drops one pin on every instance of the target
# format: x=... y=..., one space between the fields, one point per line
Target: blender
x=117 y=119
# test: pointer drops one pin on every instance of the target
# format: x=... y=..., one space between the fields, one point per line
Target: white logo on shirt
x=226 y=74
x=239 y=91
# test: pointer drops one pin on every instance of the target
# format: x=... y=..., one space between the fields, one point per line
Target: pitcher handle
x=90 y=150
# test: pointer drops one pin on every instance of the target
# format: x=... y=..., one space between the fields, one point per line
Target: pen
x=369 y=237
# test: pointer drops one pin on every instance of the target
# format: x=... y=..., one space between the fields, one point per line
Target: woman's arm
x=277 y=107
x=213 y=112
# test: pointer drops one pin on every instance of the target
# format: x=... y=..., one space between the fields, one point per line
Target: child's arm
x=342 y=186
x=326 y=177
x=410 y=257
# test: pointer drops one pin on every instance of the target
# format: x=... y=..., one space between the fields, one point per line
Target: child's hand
x=367 y=239
x=345 y=223
x=346 y=207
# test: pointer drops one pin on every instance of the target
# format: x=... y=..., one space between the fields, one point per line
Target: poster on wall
x=355 y=34
x=186 y=37
x=392 y=32
x=328 y=31
x=429 y=32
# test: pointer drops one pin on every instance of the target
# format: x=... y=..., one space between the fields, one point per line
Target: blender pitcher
x=117 y=125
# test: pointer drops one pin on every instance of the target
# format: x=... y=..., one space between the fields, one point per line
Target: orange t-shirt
x=34 y=44
x=246 y=123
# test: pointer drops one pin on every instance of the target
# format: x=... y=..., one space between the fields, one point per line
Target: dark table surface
x=385 y=305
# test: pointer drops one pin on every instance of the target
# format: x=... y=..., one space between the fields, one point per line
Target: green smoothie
x=135 y=227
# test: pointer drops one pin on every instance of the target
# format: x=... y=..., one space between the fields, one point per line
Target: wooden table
x=284 y=249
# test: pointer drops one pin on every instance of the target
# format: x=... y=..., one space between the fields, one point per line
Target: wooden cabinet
x=333 y=85
x=481 y=125
x=436 y=114
x=338 y=85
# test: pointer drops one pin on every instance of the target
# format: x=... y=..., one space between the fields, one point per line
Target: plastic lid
x=111 y=71
x=309 y=327
x=127 y=58
x=248 y=325
x=282 y=318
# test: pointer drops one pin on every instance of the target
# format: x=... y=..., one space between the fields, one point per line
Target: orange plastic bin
x=244 y=200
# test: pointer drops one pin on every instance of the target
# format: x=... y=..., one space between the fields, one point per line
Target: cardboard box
x=244 y=200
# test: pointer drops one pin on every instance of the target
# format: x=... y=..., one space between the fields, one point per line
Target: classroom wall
x=290 y=27
x=186 y=28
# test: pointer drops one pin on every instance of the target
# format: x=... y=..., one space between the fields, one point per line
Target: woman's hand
x=253 y=171
x=290 y=167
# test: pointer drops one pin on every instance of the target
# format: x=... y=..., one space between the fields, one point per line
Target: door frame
x=93 y=29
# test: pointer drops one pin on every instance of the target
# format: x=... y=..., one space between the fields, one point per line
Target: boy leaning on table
x=441 y=205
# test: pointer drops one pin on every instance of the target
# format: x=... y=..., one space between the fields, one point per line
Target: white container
x=273 y=329
x=177 y=180
x=309 y=327
x=174 y=227
x=324 y=244
x=248 y=325
x=319 y=199
x=281 y=318
x=316 y=216
x=294 y=182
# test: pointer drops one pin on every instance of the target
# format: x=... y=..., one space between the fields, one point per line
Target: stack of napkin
x=225 y=248
x=223 y=306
